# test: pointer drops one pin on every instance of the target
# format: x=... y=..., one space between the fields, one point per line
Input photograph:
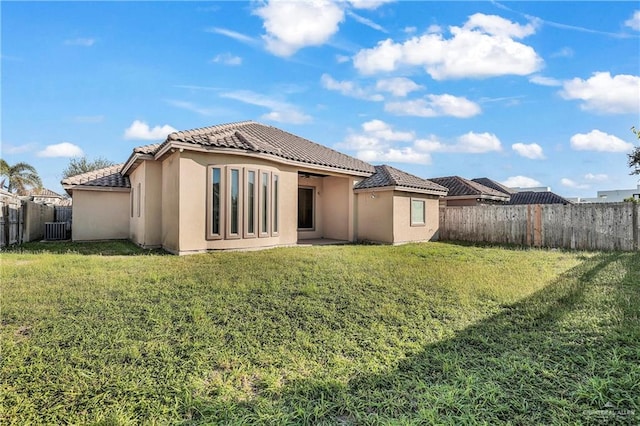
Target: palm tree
x=19 y=177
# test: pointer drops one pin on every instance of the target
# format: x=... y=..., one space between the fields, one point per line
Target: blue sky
x=526 y=93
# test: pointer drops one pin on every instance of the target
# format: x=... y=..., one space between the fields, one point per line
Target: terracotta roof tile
x=530 y=197
x=42 y=192
x=389 y=176
x=255 y=137
x=105 y=177
x=490 y=183
x=459 y=186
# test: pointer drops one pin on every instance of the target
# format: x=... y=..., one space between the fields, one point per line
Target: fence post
x=635 y=226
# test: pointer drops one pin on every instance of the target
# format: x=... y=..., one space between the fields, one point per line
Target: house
x=611 y=196
x=246 y=185
x=525 y=196
x=48 y=197
x=465 y=192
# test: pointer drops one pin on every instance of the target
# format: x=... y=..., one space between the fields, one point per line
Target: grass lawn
x=417 y=334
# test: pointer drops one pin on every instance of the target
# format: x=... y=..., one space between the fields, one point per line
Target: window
x=417 y=212
x=133 y=196
x=250 y=203
x=276 y=213
x=234 y=204
x=139 y=197
x=305 y=208
x=264 y=204
x=215 y=203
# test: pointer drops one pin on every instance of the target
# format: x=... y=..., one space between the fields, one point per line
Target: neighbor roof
x=42 y=192
x=490 y=183
x=253 y=137
x=461 y=187
x=387 y=176
x=530 y=197
x=105 y=177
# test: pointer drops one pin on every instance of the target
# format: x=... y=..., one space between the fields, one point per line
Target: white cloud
x=596 y=140
x=573 y=184
x=397 y=86
x=84 y=42
x=634 y=21
x=382 y=130
x=141 y=130
x=365 y=21
x=520 y=182
x=532 y=150
x=243 y=38
x=227 y=59
x=435 y=106
x=368 y=4
x=544 y=81
x=565 y=52
x=17 y=149
x=410 y=30
x=64 y=149
x=600 y=177
x=393 y=155
x=189 y=106
x=348 y=88
x=483 y=47
x=498 y=26
x=281 y=112
x=479 y=143
x=293 y=25
x=605 y=94
x=341 y=59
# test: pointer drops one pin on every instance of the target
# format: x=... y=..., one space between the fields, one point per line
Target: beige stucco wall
x=146 y=225
x=402 y=230
x=336 y=208
x=170 y=202
x=100 y=215
x=375 y=216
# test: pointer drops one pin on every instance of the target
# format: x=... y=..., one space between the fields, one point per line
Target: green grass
x=418 y=334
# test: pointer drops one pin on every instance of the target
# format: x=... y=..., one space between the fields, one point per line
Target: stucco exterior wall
x=100 y=215
x=403 y=231
x=336 y=208
x=146 y=221
x=375 y=216
x=170 y=202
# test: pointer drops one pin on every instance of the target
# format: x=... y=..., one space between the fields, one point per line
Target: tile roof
x=255 y=137
x=490 y=183
x=459 y=187
x=530 y=197
x=386 y=176
x=105 y=177
x=42 y=192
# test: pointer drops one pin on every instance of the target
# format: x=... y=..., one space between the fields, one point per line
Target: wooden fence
x=22 y=221
x=606 y=226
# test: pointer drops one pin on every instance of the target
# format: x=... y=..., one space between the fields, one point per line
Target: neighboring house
x=521 y=196
x=465 y=192
x=47 y=196
x=247 y=185
x=611 y=196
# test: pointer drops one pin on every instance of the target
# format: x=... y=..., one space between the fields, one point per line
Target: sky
x=525 y=93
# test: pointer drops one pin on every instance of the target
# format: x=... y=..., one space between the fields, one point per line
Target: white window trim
x=256 y=203
x=275 y=204
x=234 y=235
x=209 y=209
x=424 y=212
x=262 y=233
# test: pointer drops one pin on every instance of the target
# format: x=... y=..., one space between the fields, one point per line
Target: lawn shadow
x=536 y=362
x=89 y=248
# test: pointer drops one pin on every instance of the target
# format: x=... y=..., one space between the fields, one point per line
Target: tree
x=81 y=165
x=18 y=178
x=634 y=157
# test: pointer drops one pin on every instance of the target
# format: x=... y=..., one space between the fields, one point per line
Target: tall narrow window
x=264 y=204
x=276 y=213
x=234 y=202
x=250 y=203
x=417 y=212
x=133 y=197
x=305 y=208
x=216 y=210
x=139 y=197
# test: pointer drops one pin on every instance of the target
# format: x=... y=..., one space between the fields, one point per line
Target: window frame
x=275 y=204
x=256 y=190
x=424 y=212
x=264 y=208
x=313 y=209
x=139 y=204
x=238 y=234
x=221 y=209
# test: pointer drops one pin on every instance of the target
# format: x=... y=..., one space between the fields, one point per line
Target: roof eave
x=401 y=189
x=70 y=188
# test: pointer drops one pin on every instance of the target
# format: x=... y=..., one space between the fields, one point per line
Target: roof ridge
x=105 y=171
x=218 y=128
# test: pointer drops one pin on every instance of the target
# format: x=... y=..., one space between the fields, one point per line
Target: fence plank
x=606 y=226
